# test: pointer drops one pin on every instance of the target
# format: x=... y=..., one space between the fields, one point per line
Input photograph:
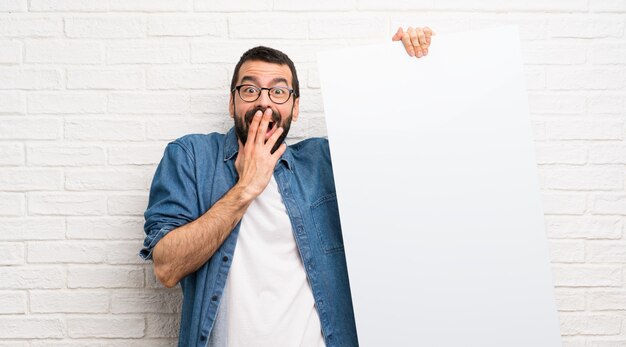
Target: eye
x=250 y=90
x=279 y=91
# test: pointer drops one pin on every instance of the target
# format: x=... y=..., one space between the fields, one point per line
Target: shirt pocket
x=325 y=213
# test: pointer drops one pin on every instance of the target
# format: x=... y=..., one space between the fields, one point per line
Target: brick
x=607 y=54
x=585 y=178
x=65 y=252
x=330 y=5
x=15 y=26
x=106 y=179
x=12 y=103
x=162 y=301
x=132 y=154
x=68 y=6
x=348 y=27
x=127 y=205
x=148 y=53
x=104 y=129
x=10 y=52
x=562 y=251
x=589 y=324
x=607 y=154
x=609 y=204
x=561 y=153
x=17 y=229
x=150 y=5
x=585 y=79
x=610 y=300
x=12 y=302
x=606 y=252
x=115 y=79
x=22 y=179
x=105 y=27
x=589 y=26
x=179 y=25
x=585 y=129
x=104 y=277
x=218 y=52
x=153 y=103
x=530 y=27
x=556 y=103
x=64 y=204
x=553 y=54
x=12 y=253
x=30 y=79
x=606 y=342
x=515 y=5
x=175 y=128
x=11 y=204
x=229 y=6
x=123 y=253
x=106 y=327
x=107 y=228
x=12 y=154
x=20 y=128
x=183 y=78
x=13 y=6
x=535 y=78
x=213 y=103
x=162 y=325
x=66 y=103
x=587 y=276
x=63 y=52
x=68 y=301
x=249 y=26
x=583 y=227
x=607 y=103
x=65 y=155
x=31 y=327
x=607 y=6
x=564 y=203
x=24 y=277
x=568 y=299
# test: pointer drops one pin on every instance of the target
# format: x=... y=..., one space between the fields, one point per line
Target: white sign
x=438 y=193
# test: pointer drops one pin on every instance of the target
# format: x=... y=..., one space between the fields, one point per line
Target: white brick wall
x=92 y=90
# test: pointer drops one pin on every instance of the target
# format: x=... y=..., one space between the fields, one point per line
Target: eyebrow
x=256 y=80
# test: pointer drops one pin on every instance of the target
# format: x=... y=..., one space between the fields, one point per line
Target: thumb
x=398 y=35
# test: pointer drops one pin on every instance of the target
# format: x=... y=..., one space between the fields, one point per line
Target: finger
x=406 y=41
x=398 y=35
x=428 y=32
x=422 y=37
x=254 y=125
x=240 y=154
x=279 y=152
x=415 y=42
x=272 y=140
x=262 y=130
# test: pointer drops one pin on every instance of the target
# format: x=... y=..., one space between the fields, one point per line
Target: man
x=285 y=283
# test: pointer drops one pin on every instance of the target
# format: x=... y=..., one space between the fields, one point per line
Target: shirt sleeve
x=173 y=196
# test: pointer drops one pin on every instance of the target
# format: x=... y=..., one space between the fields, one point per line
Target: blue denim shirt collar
x=231 y=148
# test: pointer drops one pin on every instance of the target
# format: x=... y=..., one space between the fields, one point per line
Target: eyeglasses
x=250 y=93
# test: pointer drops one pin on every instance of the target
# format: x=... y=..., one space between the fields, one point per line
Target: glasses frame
x=269 y=94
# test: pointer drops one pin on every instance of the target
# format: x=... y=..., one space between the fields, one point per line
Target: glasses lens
x=279 y=95
x=249 y=93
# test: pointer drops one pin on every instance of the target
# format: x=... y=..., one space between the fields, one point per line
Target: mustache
x=250 y=114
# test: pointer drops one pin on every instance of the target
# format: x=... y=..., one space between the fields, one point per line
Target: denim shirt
x=195 y=172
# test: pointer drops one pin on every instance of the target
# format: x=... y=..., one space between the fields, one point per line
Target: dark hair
x=268 y=55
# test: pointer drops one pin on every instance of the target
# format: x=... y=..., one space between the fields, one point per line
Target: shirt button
x=214 y=298
x=225 y=258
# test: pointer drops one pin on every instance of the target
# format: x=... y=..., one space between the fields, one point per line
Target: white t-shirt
x=270 y=302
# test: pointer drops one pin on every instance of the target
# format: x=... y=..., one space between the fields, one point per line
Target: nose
x=264 y=99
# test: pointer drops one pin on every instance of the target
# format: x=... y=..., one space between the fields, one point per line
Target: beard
x=242 y=125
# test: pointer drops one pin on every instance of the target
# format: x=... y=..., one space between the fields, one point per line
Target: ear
x=231 y=106
x=296 y=109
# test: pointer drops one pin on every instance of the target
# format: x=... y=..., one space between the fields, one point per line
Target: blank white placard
x=438 y=193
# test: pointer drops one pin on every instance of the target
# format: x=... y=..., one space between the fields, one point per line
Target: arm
x=184 y=249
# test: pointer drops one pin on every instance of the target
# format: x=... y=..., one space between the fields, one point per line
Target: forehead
x=263 y=72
